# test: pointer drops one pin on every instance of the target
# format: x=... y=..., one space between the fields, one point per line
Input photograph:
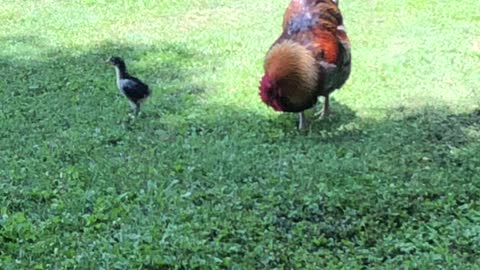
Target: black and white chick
x=135 y=90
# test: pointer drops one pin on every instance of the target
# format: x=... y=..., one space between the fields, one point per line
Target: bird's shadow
x=340 y=115
x=73 y=90
x=86 y=82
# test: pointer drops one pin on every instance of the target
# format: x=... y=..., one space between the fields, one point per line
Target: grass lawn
x=210 y=178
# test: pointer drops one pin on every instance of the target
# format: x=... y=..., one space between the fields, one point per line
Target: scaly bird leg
x=301 y=121
x=135 y=108
x=326 y=109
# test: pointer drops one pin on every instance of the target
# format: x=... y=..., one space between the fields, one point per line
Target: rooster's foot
x=323 y=114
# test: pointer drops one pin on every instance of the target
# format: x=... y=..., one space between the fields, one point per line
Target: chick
x=135 y=90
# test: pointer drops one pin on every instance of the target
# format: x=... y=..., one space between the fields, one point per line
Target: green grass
x=210 y=178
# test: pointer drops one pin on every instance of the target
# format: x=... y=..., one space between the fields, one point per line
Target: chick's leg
x=135 y=108
x=301 y=121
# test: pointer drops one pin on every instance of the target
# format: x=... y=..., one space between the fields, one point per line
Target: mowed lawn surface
x=208 y=177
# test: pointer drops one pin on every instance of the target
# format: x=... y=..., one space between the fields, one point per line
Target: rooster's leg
x=326 y=109
x=301 y=121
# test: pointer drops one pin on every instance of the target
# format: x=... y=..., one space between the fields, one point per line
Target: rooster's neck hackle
x=291 y=62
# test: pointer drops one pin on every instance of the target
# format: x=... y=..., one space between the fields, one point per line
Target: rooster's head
x=270 y=92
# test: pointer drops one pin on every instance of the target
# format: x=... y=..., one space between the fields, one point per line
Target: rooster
x=311 y=58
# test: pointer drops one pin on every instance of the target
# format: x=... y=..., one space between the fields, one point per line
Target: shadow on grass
x=390 y=178
x=77 y=87
x=78 y=78
x=349 y=181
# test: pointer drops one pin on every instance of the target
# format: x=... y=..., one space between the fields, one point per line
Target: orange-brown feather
x=326 y=44
x=294 y=71
x=289 y=60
